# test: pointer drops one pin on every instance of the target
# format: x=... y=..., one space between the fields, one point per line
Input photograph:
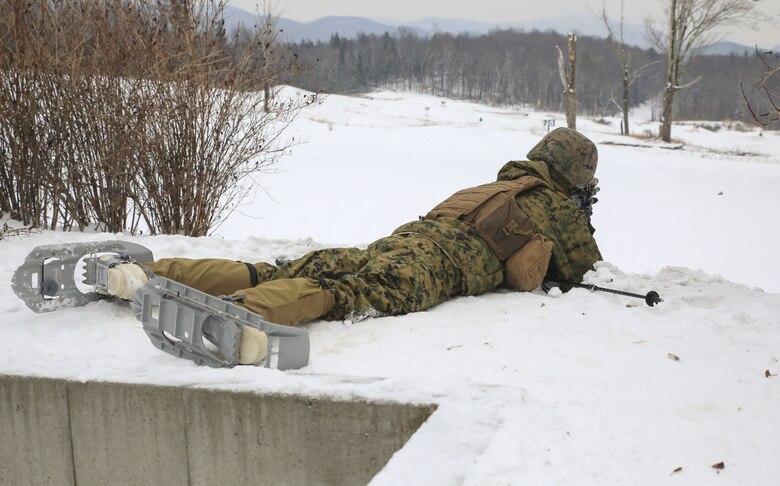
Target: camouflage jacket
x=552 y=213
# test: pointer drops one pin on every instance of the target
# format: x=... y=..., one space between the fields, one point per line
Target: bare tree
x=691 y=25
x=568 y=80
x=623 y=54
x=268 y=40
x=771 y=91
x=622 y=51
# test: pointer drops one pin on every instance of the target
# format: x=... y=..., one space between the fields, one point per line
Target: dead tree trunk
x=567 y=79
x=623 y=54
x=626 y=99
x=672 y=62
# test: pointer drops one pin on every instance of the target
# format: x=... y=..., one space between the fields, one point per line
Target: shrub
x=123 y=114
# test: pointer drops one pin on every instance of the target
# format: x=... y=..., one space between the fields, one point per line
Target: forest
x=516 y=68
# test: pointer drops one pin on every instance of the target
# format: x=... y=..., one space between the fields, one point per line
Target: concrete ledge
x=60 y=432
x=34 y=432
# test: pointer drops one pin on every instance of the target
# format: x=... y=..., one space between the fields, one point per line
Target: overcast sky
x=767 y=35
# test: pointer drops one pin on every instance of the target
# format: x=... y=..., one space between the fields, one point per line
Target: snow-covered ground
x=532 y=389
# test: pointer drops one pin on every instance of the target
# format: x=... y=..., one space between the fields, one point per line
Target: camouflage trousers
x=394 y=275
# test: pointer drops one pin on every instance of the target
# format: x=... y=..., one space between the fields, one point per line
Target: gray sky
x=766 y=35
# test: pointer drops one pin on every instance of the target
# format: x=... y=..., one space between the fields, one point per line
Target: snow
x=531 y=388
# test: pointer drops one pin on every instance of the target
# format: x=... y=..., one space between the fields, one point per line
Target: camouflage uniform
x=423 y=263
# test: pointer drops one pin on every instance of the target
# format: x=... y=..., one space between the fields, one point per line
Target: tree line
x=516 y=68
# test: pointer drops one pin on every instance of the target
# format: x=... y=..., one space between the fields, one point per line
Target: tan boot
x=253 y=347
x=124 y=279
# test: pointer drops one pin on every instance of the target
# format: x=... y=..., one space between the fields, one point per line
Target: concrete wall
x=65 y=433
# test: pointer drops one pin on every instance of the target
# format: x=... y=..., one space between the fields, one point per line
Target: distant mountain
x=322 y=29
x=349 y=27
x=563 y=24
x=431 y=25
x=725 y=48
x=236 y=16
x=318 y=30
x=589 y=25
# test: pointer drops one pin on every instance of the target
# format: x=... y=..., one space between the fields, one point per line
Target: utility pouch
x=525 y=270
x=502 y=224
x=492 y=211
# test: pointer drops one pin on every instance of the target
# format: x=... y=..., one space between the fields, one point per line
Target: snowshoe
x=194 y=325
x=51 y=276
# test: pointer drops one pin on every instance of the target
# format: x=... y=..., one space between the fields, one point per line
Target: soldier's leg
x=287 y=301
x=402 y=274
x=324 y=263
x=399 y=274
x=294 y=292
x=212 y=275
x=222 y=277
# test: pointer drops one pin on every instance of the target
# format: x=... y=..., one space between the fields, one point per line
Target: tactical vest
x=491 y=209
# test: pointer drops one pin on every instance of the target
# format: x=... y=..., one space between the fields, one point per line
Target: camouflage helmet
x=569 y=154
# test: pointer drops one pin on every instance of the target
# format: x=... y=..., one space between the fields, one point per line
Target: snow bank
x=582 y=388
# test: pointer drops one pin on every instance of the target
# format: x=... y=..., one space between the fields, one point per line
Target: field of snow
x=584 y=388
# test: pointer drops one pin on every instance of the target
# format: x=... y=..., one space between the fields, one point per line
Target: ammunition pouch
x=492 y=211
x=525 y=270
